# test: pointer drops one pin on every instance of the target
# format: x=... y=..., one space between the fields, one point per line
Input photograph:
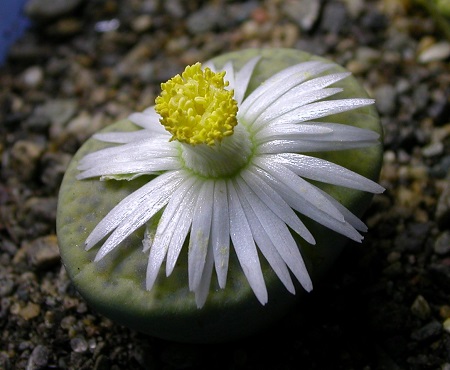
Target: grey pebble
x=57 y=111
x=386 y=99
x=205 y=19
x=39 y=358
x=79 y=344
x=442 y=244
x=428 y=331
x=421 y=308
x=304 y=12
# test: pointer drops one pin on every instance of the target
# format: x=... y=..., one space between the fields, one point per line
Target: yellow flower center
x=196 y=108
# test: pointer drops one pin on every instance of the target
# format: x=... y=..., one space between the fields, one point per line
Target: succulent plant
x=208 y=216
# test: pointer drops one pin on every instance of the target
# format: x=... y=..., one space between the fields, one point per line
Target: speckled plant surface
x=115 y=285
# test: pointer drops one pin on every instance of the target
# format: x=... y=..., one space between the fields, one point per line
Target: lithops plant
x=210 y=215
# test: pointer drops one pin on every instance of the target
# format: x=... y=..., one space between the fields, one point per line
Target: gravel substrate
x=85 y=64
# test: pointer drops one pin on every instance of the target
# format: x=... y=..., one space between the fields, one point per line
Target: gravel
x=85 y=64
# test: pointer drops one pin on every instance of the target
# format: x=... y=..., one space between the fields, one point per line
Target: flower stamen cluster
x=196 y=108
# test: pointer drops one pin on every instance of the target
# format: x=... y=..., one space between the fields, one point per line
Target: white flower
x=238 y=183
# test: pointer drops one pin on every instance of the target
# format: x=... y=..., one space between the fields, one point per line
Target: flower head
x=229 y=171
x=195 y=107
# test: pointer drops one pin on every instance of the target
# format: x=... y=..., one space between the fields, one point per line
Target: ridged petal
x=324 y=171
x=135 y=151
x=310 y=207
x=172 y=230
x=162 y=186
x=149 y=166
x=272 y=228
x=277 y=85
x=321 y=109
x=201 y=228
x=243 y=77
x=265 y=243
x=140 y=211
x=244 y=245
x=276 y=204
x=149 y=120
x=284 y=106
x=220 y=232
x=201 y=293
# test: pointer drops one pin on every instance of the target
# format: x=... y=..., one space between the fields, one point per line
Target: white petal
x=154 y=194
x=343 y=132
x=201 y=293
x=220 y=232
x=150 y=231
x=305 y=93
x=149 y=120
x=324 y=81
x=244 y=245
x=243 y=78
x=304 y=206
x=176 y=220
x=316 y=131
x=291 y=131
x=134 y=151
x=276 y=204
x=149 y=166
x=272 y=140
x=201 y=228
x=284 y=106
x=298 y=186
x=277 y=85
x=321 y=109
x=324 y=171
x=172 y=230
x=348 y=216
x=123 y=137
x=305 y=146
x=275 y=230
x=265 y=244
x=147 y=206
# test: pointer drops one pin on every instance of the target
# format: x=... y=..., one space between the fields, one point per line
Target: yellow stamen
x=196 y=108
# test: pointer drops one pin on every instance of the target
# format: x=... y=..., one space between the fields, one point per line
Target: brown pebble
x=43 y=252
x=30 y=311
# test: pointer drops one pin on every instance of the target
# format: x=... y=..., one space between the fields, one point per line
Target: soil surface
x=83 y=65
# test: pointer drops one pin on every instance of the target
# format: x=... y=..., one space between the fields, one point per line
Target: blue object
x=13 y=24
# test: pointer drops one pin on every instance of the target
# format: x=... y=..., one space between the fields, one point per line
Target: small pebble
x=79 y=344
x=436 y=52
x=386 y=99
x=44 y=252
x=446 y=325
x=304 y=12
x=25 y=155
x=142 y=23
x=429 y=331
x=39 y=358
x=30 y=311
x=433 y=149
x=33 y=76
x=421 y=308
x=442 y=243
